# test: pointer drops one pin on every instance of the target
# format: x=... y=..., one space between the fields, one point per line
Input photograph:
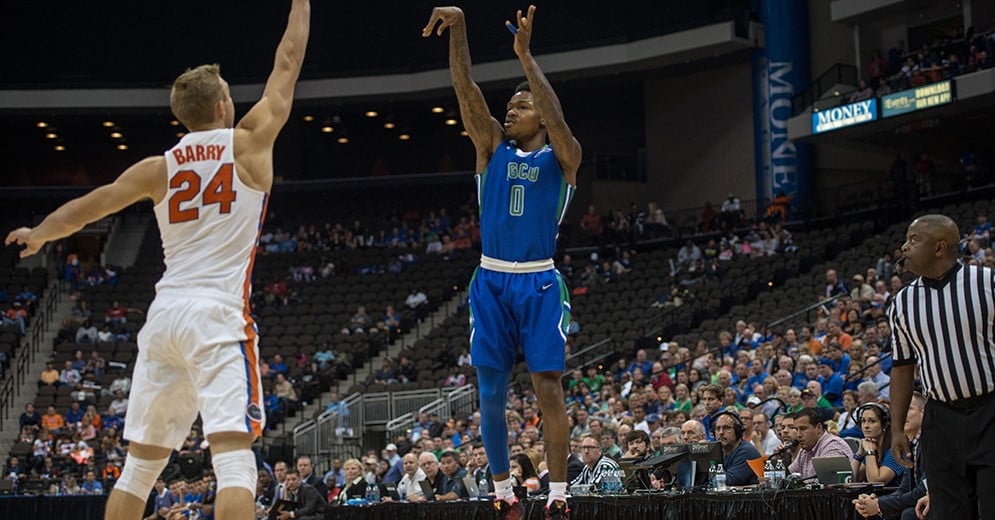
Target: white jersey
x=209 y=220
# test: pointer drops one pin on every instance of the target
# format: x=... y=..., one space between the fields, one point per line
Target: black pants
x=958 y=441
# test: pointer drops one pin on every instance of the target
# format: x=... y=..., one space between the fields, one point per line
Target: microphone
x=788 y=446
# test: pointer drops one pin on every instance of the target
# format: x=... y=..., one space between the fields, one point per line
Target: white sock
x=557 y=491
x=504 y=491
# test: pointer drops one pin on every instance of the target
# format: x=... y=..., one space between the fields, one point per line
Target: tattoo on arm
x=473 y=108
x=568 y=150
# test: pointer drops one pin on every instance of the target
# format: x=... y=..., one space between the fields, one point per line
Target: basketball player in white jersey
x=198 y=349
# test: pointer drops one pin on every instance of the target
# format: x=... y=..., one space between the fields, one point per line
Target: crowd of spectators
x=16 y=311
x=959 y=53
x=435 y=233
x=618 y=227
x=797 y=391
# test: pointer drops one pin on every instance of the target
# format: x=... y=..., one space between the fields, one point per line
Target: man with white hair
x=692 y=431
x=874 y=373
x=867 y=392
x=763 y=437
x=429 y=465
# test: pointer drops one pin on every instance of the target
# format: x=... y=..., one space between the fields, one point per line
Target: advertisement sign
x=919 y=98
x=844 y=116
x=780 y=71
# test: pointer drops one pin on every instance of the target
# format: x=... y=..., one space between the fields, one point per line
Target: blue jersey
x=523 y=197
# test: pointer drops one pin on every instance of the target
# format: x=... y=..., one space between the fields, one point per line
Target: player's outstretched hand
x=522 y=31
x=22 y=237
x=449 y=16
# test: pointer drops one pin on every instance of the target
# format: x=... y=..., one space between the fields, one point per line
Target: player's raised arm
x=268 y=116
x=144 y=180
x=485 y=132
x=565 y=146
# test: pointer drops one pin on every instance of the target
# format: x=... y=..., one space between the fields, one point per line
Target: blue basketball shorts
x=519 y=311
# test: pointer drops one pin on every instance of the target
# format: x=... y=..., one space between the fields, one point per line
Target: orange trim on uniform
x=250 y=330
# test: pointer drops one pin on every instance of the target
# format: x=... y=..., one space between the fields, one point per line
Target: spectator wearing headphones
x=873 y=461
x=728 y=429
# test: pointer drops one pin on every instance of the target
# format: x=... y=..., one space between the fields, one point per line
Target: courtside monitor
x=669 y=454
x=702 y=454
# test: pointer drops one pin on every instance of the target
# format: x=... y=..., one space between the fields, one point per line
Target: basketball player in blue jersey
x=198 y=351
x=517 y=298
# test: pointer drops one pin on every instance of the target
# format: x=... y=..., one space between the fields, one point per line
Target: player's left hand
x=522 y=31
x=22 y=236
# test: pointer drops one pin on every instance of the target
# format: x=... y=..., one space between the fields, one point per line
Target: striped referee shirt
x=594 y=476
x=946 y=326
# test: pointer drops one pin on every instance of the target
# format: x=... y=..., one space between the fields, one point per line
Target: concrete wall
x=699 y=142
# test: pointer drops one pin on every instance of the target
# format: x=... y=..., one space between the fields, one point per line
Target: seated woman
x=873 y=461
x=523 y=473
x=355 y=486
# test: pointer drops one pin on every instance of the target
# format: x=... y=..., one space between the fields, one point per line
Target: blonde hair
x=195 y=93
x=354 y=462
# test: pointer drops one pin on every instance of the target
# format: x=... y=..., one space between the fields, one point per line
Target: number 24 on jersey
x=218 y=191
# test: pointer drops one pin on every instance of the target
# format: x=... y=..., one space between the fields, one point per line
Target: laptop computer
x=427 y=489
x=389 y=489
x=827 y=467
x=471 y=488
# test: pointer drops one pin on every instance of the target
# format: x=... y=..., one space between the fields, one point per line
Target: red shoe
x=558 y=511
x=509 y=511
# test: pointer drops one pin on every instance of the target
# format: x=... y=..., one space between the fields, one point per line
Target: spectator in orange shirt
x=835 y=334
x=111 y=471
x=52 y=420
x=49 y=376
x=778 y=209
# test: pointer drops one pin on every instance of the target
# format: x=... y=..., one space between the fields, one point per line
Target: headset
x=737 y=423
x=882 y=412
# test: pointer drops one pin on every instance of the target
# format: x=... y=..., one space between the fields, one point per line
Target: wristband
x=858 y=458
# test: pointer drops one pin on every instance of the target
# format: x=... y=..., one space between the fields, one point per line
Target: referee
x=942 y=321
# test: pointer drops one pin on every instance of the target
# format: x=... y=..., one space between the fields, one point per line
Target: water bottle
x=372 y=493
x=720 y=478
x=769 y=474
x=780 y=472
x=610 y=483
x=482 y=488
x=712 y=470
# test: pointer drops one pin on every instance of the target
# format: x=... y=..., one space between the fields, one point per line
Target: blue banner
x=780 y=71
x=844 y=116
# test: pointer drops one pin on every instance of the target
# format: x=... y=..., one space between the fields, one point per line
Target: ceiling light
x=116 y=135
x=174 y=123
x=371 y=113
x=60 y=148
x=451 y=122
x=404 y=137
x=122 y=147
x=51 y=135
x=327 y=129
x=308 y=118
x=438 y=110
x=464 y=133
x=108 y=124
x=180 y=134
x=343 y=140
x=41 y=124
x=388 y=126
